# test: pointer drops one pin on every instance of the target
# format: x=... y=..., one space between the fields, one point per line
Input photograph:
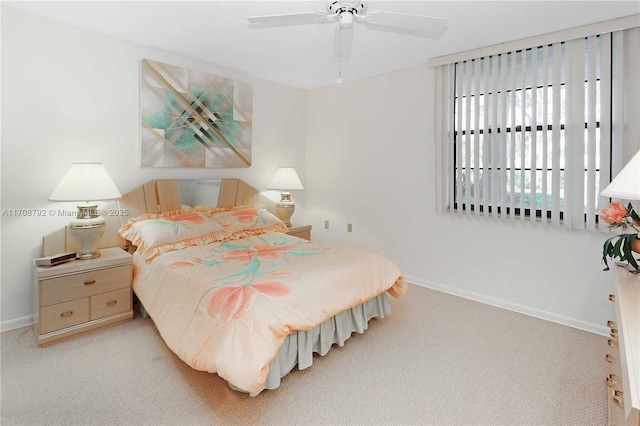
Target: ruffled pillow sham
x=249 y=220
x=154 y=234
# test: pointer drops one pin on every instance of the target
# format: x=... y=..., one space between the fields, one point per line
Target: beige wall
x=370 y=162
x=68 y=95
x=364 y=151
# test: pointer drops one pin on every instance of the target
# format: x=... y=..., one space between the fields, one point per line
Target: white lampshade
x=286 y=179
x=85 y=182
x=626 y=185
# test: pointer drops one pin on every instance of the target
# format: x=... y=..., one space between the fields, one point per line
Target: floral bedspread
x=226 y=307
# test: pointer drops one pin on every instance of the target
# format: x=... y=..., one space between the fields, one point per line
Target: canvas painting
x=193 y=119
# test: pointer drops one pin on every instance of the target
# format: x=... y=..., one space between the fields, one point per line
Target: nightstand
x=82 y=295
x=301 y=231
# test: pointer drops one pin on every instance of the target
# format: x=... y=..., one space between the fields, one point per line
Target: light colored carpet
x=437 y=359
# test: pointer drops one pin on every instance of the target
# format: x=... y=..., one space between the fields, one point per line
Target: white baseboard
x=521 y=309
x=16 y=323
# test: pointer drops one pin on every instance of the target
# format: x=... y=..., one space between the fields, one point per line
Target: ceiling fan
x=345 y=13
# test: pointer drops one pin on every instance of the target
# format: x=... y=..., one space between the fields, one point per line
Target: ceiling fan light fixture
x=346 y=20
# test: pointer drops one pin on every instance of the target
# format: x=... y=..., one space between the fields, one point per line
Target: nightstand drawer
x=62 y=315
x=110 y=303
x=84 y=284
x=82 y=295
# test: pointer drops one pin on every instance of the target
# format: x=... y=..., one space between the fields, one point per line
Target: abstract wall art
x=192 y=119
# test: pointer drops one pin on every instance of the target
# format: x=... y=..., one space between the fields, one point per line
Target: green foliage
x=619 y=246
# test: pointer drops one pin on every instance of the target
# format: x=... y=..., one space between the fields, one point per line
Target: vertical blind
x=536 y=133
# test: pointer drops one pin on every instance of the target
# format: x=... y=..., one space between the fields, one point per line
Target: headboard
x=156 y=196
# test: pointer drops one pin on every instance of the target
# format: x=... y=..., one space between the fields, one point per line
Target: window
x=510 y=128
x=531 y=133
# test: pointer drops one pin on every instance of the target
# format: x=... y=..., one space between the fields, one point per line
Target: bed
x=232 y=293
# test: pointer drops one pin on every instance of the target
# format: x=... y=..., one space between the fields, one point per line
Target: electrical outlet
x=326 y=224
x=349 y=227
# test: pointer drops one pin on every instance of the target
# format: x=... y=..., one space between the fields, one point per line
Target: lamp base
x=86 y=229
x=284 y=211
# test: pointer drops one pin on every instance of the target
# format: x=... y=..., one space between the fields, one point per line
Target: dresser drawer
x=62 y=315
x=113 y=302
x=84 y=284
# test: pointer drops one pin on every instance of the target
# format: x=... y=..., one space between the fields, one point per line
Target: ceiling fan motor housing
x=346 y=10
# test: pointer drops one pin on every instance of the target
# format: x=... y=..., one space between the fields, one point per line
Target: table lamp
x=286 y=179
x=86 y=182
x=626 y=186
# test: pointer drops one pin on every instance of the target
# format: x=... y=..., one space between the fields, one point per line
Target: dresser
x=82 y=295
x=623 y=350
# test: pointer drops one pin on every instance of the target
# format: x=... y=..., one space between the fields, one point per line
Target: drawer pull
x=610 y=359
x=618 y=401
x=66 y=314
x=618 y=393
x=614 y=333
x=612 y=381
x=90 y=282
x=612 y=324
x=112 y=303
x=612 y=297
x=612 y=343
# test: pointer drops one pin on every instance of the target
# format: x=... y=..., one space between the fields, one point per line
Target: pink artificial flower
x=613 y=213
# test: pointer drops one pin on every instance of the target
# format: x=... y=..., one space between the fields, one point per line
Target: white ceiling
x=302 y=56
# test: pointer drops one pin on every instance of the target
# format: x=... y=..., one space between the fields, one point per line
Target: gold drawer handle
x=614 y=333
x=612 y=324
x=612 y=297
x=112 y=303
x=612 y=344
x=66 y=314
x=612 y=380
x=610 y=359
x=90 y=282
x=618 y=401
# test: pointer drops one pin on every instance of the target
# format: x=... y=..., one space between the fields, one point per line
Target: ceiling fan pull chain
x=339 y=80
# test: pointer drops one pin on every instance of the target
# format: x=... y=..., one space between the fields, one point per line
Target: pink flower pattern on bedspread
x=231 y=302
x=235 y=296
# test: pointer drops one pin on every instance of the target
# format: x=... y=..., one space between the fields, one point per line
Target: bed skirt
x=299 y=347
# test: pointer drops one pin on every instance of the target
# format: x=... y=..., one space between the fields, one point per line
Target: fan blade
x=288 y=19
x=342 y=44
x=405 y=23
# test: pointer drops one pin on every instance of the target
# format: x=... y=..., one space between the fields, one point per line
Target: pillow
x=245 y=221
x=155 y=234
